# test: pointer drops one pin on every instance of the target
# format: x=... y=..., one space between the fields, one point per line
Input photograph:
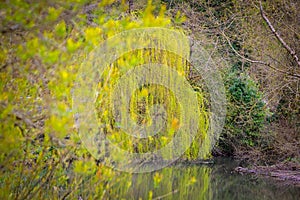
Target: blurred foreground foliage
x=42 y=46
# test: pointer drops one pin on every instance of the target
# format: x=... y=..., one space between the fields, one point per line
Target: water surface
x=198 y=181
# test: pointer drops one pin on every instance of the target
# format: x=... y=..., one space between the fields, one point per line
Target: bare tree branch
x=22 y=117
x=258 y=61
x=130 y=6
x=286 y=46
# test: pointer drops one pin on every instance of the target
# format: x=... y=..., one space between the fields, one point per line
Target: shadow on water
x=195 y=181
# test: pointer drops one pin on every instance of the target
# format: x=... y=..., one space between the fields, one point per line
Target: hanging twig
x=286 y=46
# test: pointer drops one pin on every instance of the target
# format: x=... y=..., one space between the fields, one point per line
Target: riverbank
x=276 y=154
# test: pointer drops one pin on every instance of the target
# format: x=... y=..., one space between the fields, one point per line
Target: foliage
x=245 y=112
x=42 y=46
x=143 y=100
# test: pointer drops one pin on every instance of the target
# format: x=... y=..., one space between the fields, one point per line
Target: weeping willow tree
x=154 y=108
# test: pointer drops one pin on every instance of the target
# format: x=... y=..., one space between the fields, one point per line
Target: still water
x=195 y=181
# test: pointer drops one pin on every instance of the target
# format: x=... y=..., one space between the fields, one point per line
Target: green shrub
x=245 y=112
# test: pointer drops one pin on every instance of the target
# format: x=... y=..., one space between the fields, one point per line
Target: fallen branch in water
x=292 y=176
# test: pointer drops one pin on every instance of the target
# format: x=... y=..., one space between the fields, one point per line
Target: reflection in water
x=199 y=182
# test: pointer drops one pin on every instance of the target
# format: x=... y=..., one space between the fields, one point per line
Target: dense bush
x=246 y=112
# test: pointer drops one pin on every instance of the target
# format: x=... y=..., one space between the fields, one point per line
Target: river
x=201 y=181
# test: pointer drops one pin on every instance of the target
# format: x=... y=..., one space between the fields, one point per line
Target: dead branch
x=285 y=45
x=258 y=61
